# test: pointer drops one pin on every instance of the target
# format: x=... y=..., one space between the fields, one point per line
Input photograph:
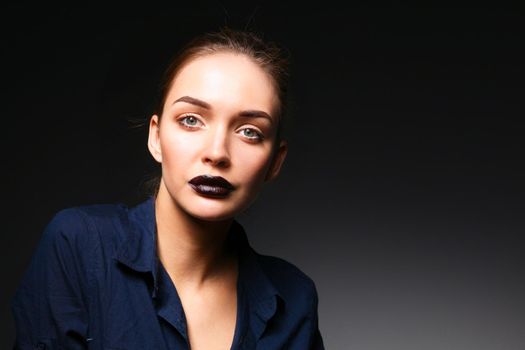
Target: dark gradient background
x=403 y=192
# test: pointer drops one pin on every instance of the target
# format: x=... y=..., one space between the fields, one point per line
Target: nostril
x=222 y=163
x=218 y=162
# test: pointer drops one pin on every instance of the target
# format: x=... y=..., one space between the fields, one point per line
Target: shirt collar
x=262 y=296
x=139 y=253
x=138 y=249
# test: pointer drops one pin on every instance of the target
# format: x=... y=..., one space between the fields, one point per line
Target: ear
x=154 y=139
x=277 y=162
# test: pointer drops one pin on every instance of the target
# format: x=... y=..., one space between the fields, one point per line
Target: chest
x=132 y=314
x=211 y=319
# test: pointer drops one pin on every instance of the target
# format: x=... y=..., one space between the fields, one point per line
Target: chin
x=213 y=212
x=212 y=216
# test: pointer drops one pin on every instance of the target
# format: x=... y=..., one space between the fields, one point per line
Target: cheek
x=254 y=164
x=176 y=147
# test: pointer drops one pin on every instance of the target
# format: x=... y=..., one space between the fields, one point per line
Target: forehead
x=225 y=80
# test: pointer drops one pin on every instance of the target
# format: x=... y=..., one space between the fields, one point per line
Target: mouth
x=211 y=186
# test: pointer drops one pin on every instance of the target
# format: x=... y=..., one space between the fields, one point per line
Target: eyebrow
x=206 y=105
x=255 y=114
x=193 y=101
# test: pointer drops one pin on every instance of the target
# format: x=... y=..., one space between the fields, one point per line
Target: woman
x=176 y=271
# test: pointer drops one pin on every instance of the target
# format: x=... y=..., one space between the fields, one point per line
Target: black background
x=402 y=195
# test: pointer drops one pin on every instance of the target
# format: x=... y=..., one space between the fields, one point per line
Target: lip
x=211 y=186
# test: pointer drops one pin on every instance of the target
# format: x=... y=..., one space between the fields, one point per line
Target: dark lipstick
x=211 y=186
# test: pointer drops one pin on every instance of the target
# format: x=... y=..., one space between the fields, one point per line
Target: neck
x=191 y=250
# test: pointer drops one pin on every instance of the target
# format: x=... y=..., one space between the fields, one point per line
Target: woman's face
x=218 y=121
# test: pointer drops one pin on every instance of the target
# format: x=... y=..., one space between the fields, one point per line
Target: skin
x=233 y=135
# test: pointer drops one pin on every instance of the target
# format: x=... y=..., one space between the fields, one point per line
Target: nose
x=216 y=152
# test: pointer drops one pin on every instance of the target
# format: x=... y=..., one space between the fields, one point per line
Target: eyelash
x=259 y=137
x=185 y=117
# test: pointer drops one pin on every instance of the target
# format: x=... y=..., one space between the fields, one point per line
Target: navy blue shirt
x=95 y=282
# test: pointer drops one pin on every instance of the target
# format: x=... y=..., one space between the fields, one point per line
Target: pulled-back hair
x=267 y=55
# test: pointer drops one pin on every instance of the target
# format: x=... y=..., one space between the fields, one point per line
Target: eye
x=189 y=121
x=251 y=134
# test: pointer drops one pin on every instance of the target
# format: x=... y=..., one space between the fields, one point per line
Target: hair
x=268 y=55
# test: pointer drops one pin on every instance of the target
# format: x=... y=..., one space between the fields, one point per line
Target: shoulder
x=91 y=212
x=283 y=272
x=294 y=285
x=81 y=218
x=82 y=226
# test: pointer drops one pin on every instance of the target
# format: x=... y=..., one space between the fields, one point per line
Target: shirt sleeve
x=307 y=335
x=49 y=306
x=316 y=341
